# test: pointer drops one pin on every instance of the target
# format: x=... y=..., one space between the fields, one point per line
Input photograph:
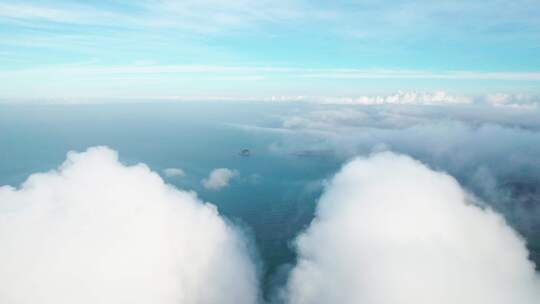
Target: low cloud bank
x=435 y=98
x=390 y=230
x=96 y=231
x=490 y=150
x=513 y=100
x=219 y=178
x=402 y=97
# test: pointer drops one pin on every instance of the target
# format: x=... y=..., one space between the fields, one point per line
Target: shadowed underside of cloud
x=96 y=231
x=390 y=230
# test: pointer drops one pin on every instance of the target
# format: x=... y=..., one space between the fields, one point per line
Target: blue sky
x=216 y=49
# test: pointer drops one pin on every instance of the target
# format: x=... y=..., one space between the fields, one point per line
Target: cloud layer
x=96 y=231
x=401 y=97
x=390 y=230
x=490 y=150
x=219 y=178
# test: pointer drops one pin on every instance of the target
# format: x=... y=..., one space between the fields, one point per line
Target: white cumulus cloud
x=523 y=101
x=401 y=97
x=174 y=172
x=219 y=178
x=97 y=231
x=390 y=230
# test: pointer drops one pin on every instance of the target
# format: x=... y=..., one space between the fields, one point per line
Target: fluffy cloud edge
x=395 y=231
x=95 y=230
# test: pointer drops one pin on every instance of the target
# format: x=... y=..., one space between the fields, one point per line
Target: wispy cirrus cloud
x=23 y=14
x=192 y=16
x=293 y=48
x=285 y=71
x=278 y=82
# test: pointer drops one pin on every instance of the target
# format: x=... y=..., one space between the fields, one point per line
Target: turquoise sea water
x=273 y=199
x=275 y=196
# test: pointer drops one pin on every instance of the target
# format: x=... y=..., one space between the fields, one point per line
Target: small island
x=245 y=152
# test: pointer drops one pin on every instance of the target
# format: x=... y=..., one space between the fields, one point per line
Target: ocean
x=275 y=195
x=273 y=199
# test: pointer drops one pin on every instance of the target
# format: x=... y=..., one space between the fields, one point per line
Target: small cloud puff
x=174 y=172
x=219 y=178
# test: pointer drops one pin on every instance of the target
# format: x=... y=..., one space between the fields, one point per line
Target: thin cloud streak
x=283 y=71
